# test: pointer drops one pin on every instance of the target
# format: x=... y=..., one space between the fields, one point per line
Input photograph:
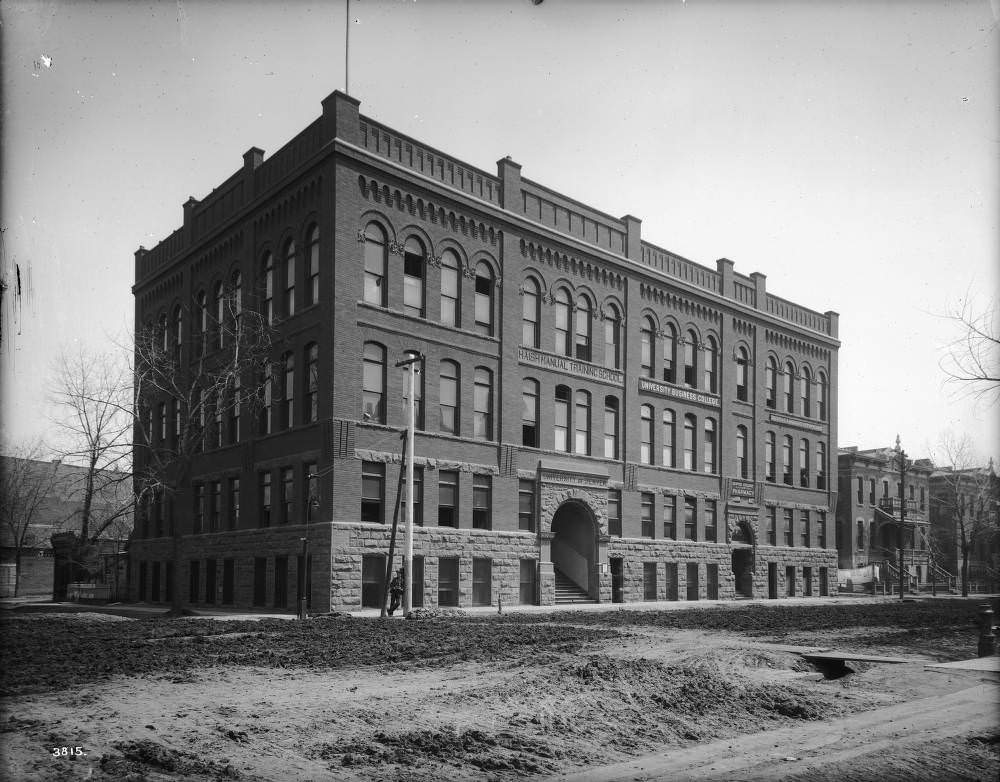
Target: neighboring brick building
x=593 y=407
x=968 y=502
x=871 y=492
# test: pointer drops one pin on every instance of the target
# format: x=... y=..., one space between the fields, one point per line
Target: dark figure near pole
x=396 y=588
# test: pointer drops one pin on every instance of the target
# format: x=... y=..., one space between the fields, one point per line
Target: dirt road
x=863 y=746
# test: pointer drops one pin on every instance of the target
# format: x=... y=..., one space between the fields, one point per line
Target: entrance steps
x=567 y=591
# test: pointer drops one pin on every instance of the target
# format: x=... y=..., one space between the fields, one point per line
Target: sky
x=847 y=150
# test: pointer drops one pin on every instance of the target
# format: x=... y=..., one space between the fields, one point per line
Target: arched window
x=741 y=451
x=670 y=354
x=581 y=423
x=219 y=408
x=742 y=374
x=451 y=289
x=413 y=277
x=375 y=265
x=804 y=463
x=646 y=340
x=646 y=434
x=769 y=457
x=310 y=408
x=711 y=359
x=710 y=446
x=690 y=370
x=771 y=383
x=266 y=408
x=289 y=278
x=583 y=310
x=234 y=412
x=418 y=391
x=805 y=395
x=484 y=298
x=786 y=460
x=787 y=387
x=267 y=288
x=373 y=383
x=448 y=397
x=288 y=360
x=237 y=312
x=482 y=404
x=668 y=439
x=529 y=313
x=178 y=333
x=161 y=336
x=529 y=413
x=689 y=443
x=562 y=344
x=561 y=421
x=822 y=398
x=821 y=469
x=612 y=338
x=202 y=305
x=312 y=253
x=611 y=427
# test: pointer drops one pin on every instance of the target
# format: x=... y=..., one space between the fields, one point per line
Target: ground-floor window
x=260 y=581
x=417 y=583
x=210 y=566
x=372 y=580
x=155 y=592
x=304 y=582
x=194 y=581
x=712 y=581
x=281 y=582
x=692 y=581
x=649 y=581
x=527 y=592
x=617 y=580
x=228 y=579
x=807 y=581
x=671 y=568
x=790 y=580
x=824 y=586
x=482 y=577
x=448 y=581
x=142 y=581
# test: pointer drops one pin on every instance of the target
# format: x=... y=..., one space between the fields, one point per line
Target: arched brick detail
x=554 y=498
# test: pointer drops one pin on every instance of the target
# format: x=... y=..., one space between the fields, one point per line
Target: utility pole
x=410 y=362
x=901 y=456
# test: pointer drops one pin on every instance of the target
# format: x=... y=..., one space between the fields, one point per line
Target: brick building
x=592 y=409
x=966 y=504
x=872 y=497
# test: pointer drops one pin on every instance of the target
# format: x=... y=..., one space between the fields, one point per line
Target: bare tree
x=185 y=402
x=25 y=482
x=92 y=393
x=964 y=496
x=972 y=360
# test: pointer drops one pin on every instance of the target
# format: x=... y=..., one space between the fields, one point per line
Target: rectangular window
x=711 y=520
x=772 y=526
x=807 y=581
x=671 y=576
x=615 y=512
x=210 y=585
x=260 y=581
x=281 y=582
x=804 y=530
x=413 y=283
x=871 y=491
x=527 y=590
x=288 y=495
x=418 y=496
x=482 y=579
x=310 y=502
x=449 y=291
x=194 y=581
x=199 y=508
x=448 y=581
x=561 y=422
x=646 y=515
x=228 y=581
x=214 y=505
x=712 y=581
x=670 y=517
x=481 y=501
x=789 y=540
x=526 y=505
x=649 y=581
x=529 y=413
x=447 y=498
x=790 y=580
x=264 y=490
x=821 y=529
x=692 y=581
x=690 y=520
x=372 y=492
x=372 y=580
x=233 y=516
x=417 y=583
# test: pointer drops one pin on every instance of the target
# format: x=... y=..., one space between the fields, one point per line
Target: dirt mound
x=141 y=757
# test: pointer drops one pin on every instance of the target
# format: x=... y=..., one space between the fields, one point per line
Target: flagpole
x=347 y=46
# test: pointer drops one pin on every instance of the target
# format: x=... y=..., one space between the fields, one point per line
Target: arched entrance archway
x=743 y=559
x=574 y=550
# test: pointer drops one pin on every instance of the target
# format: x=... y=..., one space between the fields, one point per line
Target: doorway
x=574 y=549
x=743 y=571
